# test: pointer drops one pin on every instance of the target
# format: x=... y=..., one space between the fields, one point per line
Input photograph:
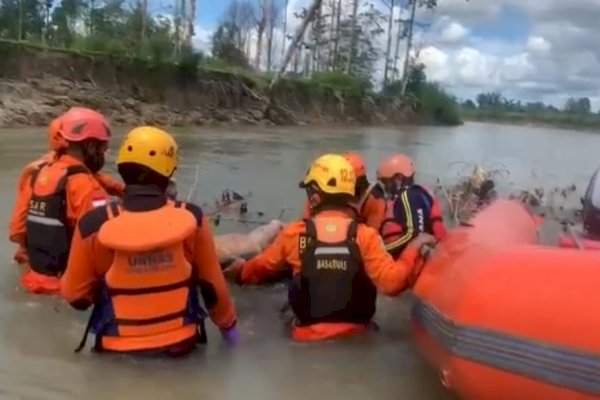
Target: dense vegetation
x=338 y=51
x=576 y=112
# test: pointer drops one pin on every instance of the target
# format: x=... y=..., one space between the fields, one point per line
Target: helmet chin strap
x=314 y=198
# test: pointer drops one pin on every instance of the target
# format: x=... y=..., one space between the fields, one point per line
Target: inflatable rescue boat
x=503 y=318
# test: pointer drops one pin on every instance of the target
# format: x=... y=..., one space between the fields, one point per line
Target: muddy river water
x=38 y=335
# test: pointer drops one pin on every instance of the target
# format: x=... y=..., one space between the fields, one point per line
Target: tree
x=224 y=45
x=580 y=105
x=310 y=14
x=242 y=16
x=22 y=19
x=492 y=100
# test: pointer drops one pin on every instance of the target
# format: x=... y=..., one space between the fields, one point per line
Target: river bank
x=37 y=84
x=588 y=123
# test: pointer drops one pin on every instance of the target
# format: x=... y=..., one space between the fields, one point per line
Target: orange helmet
x=358 y=163
x=55 y=139
x=398 y=164
x=80 y=123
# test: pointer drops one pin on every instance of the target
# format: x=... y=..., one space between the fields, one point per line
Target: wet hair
x=135 y=174
x=328 y=200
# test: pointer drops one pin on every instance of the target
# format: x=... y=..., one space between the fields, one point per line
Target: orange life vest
x=148 y=298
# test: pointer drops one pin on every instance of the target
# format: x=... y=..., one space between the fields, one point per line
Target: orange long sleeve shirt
x=389 y=276
x=89 y=261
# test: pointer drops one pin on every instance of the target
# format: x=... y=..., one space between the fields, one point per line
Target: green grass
x=436 y=106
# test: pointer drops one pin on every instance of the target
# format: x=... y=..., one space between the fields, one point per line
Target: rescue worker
x=140 y=263
x=411 y=209
x=337 y=263
x=59 y=193
x=369 y=198
x=19 y=216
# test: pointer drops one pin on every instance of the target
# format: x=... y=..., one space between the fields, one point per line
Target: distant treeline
x=576 y=112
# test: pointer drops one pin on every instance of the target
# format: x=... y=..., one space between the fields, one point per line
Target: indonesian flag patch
x=99 y=202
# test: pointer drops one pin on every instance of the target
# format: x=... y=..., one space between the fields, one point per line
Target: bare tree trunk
x=261 y=30
x=270 y=31
x=143 y=10
x=399 y=36
x=336 y=48
x=297 y=37
x=353 y=38
x=194 y=11
x=331 y=34
x=91 y=27
x=411 y=22
x=316 y=41
x=20 y=22
x=296 y=61
x=177 y=22
x=284 y=40
x=388 y=48
x=190 y=18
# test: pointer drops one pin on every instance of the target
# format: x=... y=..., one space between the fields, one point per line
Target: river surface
x=38 y=335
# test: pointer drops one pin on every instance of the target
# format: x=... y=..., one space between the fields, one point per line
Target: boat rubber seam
x=546 y=362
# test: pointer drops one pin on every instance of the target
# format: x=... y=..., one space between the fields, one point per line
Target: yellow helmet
x=333 y=174
x=152 y=148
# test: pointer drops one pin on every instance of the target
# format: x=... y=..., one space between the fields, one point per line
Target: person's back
x=139 y=263
x=337 y=263
x=411 y=208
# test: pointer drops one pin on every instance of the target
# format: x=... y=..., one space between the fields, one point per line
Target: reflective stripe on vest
x=332 y=285
x=398 y=230
x=331 y=251
x=44 y=220
x=47 y=218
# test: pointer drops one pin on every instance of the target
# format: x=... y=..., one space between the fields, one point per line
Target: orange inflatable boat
x=503 y=318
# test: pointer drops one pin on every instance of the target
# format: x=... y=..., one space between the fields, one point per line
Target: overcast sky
x=528 y=49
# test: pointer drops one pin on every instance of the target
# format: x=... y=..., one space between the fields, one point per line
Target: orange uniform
x=337 y=265
x=16 y=229
x=412 y=212
x=59 y=193
x=140 y=264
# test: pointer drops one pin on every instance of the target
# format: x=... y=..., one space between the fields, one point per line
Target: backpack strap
x=311 y=230
x=35 y=174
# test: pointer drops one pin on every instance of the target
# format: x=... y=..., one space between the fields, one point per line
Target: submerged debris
x=469 y=194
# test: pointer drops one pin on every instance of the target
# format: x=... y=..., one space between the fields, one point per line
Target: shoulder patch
x=98 y=202
x=91 y=222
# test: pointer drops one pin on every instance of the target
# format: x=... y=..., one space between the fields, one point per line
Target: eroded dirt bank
x=36 y=85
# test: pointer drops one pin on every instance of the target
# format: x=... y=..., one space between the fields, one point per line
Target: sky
x=533 y=50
